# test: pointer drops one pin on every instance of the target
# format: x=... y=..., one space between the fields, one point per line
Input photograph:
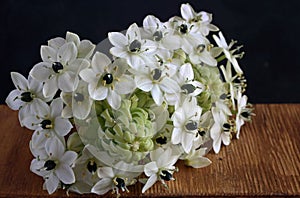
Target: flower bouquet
x=104 y=120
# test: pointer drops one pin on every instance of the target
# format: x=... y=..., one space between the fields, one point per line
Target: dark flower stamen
x=78 y=97
x=183 y=28
x=188 y=88
x=92 y=166
x=57 y=66
x=166 y=175
x=192 y=125
x=26 y=97
x=226 y=127
x=108 y=78
x=157 y=35
x=135 y=46
x=161 y=140
x=46 y=124
x=120 y=183
x=156 y=74
x=49 y=165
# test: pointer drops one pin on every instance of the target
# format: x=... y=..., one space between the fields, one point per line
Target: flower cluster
x=105 y=120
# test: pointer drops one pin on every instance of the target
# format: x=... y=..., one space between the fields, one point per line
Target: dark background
x=268 y=29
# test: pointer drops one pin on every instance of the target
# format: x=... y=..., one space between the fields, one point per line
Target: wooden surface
x=264 y=162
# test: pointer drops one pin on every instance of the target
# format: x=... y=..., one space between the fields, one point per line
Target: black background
x=268 y=29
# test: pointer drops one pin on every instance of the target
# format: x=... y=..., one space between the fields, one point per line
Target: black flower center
x=188 y=88
x=49 y=165
x=201 y=132
x=26 y=97
x=92 y=166
x=57 y=66
x=46 y=124
x=135 y=46
x=156 y=74
x=161 y=140
x=166 y=175
x=120 y=183
x=108 y=78
x=192 y=125
x=157 y=36
x=226 y=127
x=183 y=28
x=78 y=97
x=200 y=48
x=245 y=114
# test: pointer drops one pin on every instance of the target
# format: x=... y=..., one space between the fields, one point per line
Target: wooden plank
x=265 y=161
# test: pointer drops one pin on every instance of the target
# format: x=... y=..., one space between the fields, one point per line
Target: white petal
x=103 y=186
x=19 y=81
x=150 y=182
x=50 y=87
x=119 y=52
x=41 y=107
x=99 y=62
x=117 y=39
x=113 y=99
x=226 y=138
x=65 y=174
x=72 y=37
x=48 y=54
x=51 y=183
x=105 y=172
x=176 y=136
x=171 y=42
x=199 y=162
x=31 y=122
x=82 y=110
x=56 y=107
x=169 y=86
x=217 y=144
x=150 y=168
x=56 y=43
x=157 y=94
x=186 y=71
x=86 y=49
x=99 y=93
x=187 y=141
x=143 y=83
x=125 y=85
x=62 y=126
x=12 y=100
x=208 y=59
x=69 y=157
x=133 y=33
x=187 y=12
x=88 y=75
x=41 y=71
x=55 y=148
x=66 y=82
x=67 y=53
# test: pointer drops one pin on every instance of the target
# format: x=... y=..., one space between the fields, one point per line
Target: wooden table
x=264 y=162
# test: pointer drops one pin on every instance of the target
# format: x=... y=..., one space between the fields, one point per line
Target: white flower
x=157 y=80
x=201 y=21
x=202 y=54
x=155 y=30
x=48 y=123
x=117 y=178
x=221 y=42
x=160 y=168
x=220 y=131
x=189 y=86
x=107 y=80
x=27 y=97
x=78 y=103
x=131 y=47
x=196 y=158
x=185 y=120
x=59 y=69
x=55 y=166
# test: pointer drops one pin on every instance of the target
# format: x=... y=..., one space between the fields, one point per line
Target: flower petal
x=102 y=186
x=19 y=81
x=88 y=75
x=50 y=87
x=99 y=93
x=176 y=136
x=99 y=62
x=56 y=43
x=85 y=49
x=48 y=54
x=125 y=85
x=12 y=100
x=67 y=82
x=150 y=168
x=62 y=126
x=54 y=148
x=114 y=99
x=150 y=182
x=65 y=174
x=157 y=94
x=51 y=183
x=105 y=172
x=117 y=39
x=67 y=53
x=69 y=157
x=72 y=37
x=187 y=12
x=41 y=71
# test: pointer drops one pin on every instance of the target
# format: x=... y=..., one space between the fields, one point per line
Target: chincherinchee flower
x=160 y=168
x=59 y=69
x=201 y=21
x=131 y=46
x=49 y=123
x=221 y=129
x=185 y=120
x=221 y=42
x=201 y=54
x=27 y=97
x=107 y=80
x=55 y=166
x=156 y=79
x=116 y=179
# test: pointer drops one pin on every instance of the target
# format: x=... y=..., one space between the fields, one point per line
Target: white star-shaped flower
x=160 y=168
x=55 y=166
x=107 y=80
x=185 y=120
x=27 y=97
x=131 y=46
x=201 y=54
x=221 y=42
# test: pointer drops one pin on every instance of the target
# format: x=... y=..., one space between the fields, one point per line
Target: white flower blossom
x=55 y=166
x=107 y=80
x=27 y=97
x=160 y=168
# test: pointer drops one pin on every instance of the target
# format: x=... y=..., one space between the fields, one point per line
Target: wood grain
x=264 y=162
